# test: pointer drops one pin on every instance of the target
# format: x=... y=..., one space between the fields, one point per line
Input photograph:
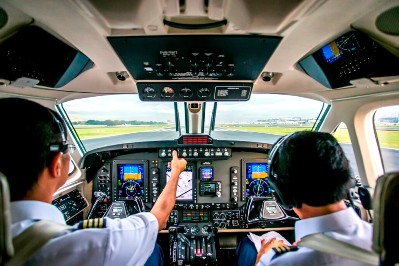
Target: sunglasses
x=64 y=148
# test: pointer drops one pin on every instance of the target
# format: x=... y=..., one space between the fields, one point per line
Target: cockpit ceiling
x=242 y=16
x=96 y=65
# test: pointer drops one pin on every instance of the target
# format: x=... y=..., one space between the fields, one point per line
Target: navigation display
x=184 y=190
x=130 y=181
x=256 y=174
x=347 y=44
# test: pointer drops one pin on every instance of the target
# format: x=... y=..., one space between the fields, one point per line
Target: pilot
x=35 y=158
x=310 y=174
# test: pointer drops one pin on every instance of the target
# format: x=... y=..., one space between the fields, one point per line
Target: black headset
x=280 y=184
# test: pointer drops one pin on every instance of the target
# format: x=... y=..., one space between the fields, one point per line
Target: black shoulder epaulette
x=284 y=249
x=92 y=223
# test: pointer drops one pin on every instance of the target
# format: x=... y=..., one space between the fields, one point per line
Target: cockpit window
x=117 y=119
x=264 y=118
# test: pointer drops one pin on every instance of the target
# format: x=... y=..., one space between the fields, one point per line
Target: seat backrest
x=386 y=218
x=6 y=246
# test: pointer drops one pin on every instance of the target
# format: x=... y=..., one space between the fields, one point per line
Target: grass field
x=387 y=138
x=85 y=132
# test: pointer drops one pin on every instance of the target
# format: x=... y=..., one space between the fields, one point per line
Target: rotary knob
x=204 y=92
x=186 y=92
x=149 y=92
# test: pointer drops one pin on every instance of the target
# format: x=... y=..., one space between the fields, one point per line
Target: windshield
x=108 y=120
x=264 y=118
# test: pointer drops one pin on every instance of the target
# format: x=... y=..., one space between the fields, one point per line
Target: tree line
x=116 y=122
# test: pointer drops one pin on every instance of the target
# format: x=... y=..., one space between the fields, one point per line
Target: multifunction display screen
x=206 y=173
x=256 y=174
x=346 y=45
x=184 y=190
x=130 y=181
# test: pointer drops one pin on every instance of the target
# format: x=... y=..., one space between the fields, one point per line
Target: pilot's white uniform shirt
x=128 y=241
x=344 y=225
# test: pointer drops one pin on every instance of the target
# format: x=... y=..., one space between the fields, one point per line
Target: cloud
x=129 y=107
x=119 y=107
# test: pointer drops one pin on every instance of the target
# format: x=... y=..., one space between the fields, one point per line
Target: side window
x=342 y=135
x=72 y=167
x=386 y=123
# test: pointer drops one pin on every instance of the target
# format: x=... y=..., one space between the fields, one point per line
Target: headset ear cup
x=283 y=194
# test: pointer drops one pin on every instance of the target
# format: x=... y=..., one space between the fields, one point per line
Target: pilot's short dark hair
x=314 y=167
x=27 y=131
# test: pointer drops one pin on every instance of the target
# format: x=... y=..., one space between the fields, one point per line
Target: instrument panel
x=217 y=188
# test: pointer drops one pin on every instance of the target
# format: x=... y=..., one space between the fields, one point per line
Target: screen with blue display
x=256 y=174
x=346 y=44
x=130 y=181
x=206 y=173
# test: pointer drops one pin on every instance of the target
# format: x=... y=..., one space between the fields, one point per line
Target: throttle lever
x=139 y=203
x=183 y=238
x=100 y=196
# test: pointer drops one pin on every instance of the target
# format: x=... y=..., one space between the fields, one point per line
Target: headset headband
x=59 y=123
x=281 y=190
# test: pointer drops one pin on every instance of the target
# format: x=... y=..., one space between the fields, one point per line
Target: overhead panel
x=196 y=67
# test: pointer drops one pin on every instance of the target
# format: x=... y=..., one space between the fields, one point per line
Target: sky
x=259 y=107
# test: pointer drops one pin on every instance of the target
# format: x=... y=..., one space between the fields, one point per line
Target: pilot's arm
x=166 y=200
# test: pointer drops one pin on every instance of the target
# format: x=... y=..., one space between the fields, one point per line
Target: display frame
x=244 y=164
x=115 y=178
x=364 y=58
x=193 y=198
x=200 y=173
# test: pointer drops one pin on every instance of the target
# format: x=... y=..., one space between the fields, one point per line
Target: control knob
x=205 y=229
x=195 y=230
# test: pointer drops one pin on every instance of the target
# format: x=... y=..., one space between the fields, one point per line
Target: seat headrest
x=6 y=246
x=386 y=218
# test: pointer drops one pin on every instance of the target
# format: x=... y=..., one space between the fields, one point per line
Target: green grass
x=387 y=138
x=268 y=130
x=101 y=131
x=342 y=135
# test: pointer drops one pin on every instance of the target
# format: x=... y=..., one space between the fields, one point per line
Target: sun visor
x=196 y=67
x=33 y=53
